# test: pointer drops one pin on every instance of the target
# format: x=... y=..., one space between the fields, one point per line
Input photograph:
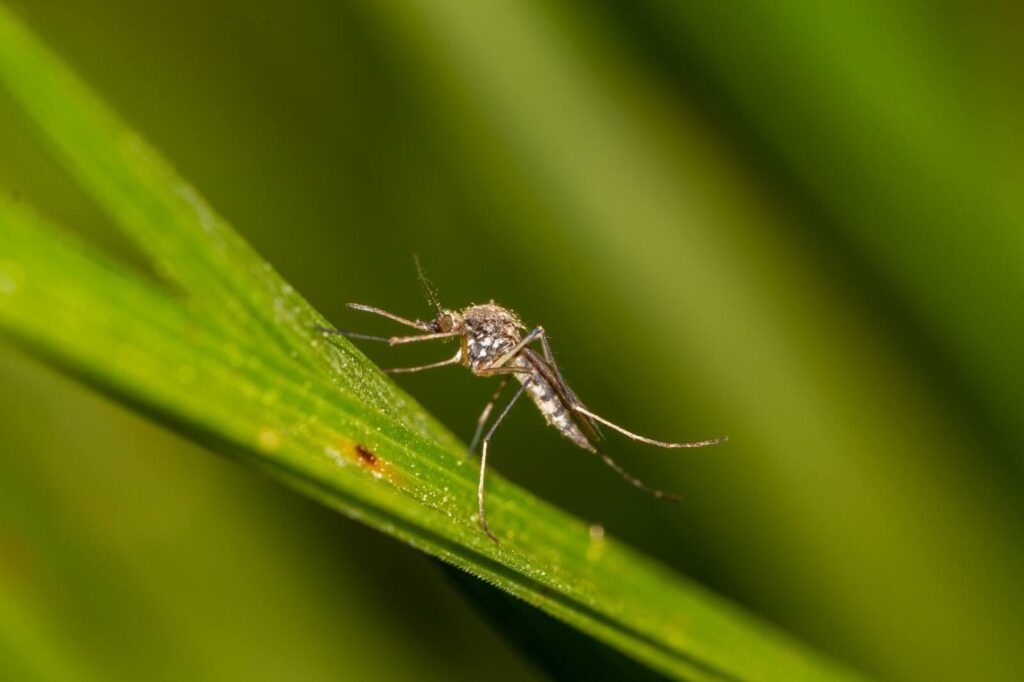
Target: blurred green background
x=800 y=226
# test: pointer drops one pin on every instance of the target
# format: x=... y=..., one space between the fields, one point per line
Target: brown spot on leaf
x=366 y=456
x=345 y=451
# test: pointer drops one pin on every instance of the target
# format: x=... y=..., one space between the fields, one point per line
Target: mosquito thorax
x=490 y=331
x=491 y=320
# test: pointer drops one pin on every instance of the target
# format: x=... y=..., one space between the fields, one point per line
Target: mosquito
x=492 y=344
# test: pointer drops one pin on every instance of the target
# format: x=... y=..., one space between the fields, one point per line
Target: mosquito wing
x=589 y=427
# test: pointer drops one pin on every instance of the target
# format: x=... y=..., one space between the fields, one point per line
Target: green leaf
x=220 y=347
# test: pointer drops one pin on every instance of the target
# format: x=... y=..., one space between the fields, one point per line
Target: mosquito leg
x=539 y=333
x=392 y=340
x=570 y=396
x=649 y=441
x=484 y=415
x=494 y=371
x=550 y=357
x=443 y=363
x=577 y=406
x=636 y=482
x=483 y=459
x=395 y=340
x=525 y=341
x=416 y=324
x=353 y=335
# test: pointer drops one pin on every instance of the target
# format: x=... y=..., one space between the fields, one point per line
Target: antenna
x=428 y=288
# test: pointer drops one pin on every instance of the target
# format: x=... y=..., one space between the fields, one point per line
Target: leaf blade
x=298 y=407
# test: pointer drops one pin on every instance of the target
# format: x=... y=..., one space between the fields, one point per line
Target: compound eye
x=446 y=323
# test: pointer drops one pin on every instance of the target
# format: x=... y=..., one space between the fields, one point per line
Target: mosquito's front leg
x=416 y=324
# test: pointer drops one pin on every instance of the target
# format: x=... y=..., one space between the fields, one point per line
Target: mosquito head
x=449 y=321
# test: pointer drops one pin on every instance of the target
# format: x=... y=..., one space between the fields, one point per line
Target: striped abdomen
x=550 y=404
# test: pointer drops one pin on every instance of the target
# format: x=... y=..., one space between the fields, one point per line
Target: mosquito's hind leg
x=539 y=333
x=634 y=481
x=650 y=441
x=550 y=357
x=483 y=459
